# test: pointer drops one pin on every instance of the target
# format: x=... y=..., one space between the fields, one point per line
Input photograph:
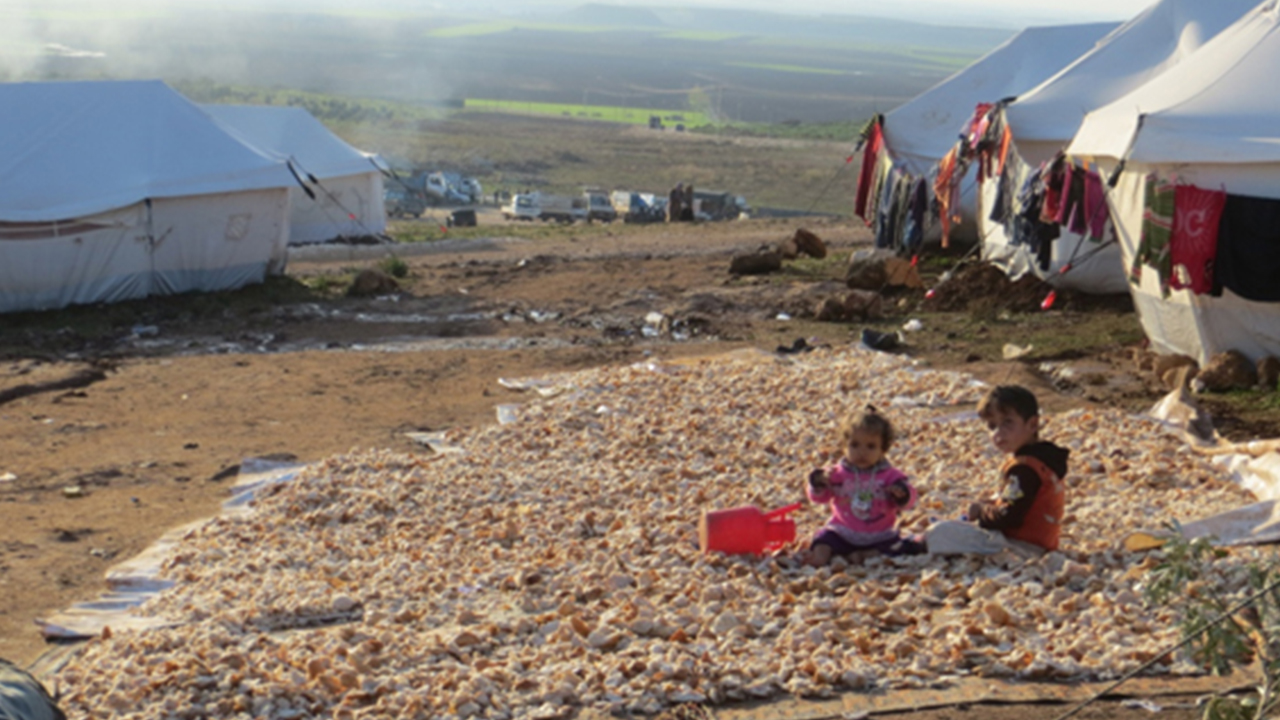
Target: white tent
x=1045 y=119
x=346 y=194
x=919 y=132
x=1212 y=123
x=118 y=190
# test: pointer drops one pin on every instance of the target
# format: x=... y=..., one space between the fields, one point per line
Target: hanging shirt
x=1194 y=242
x=1248 y=263
x=1054 y=176
x=942 y=190
x=1157 y=226
x=1095 y=206
x=870 y=151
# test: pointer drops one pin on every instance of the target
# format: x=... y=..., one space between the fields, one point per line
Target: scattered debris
x=73 y=491
x=884 y=342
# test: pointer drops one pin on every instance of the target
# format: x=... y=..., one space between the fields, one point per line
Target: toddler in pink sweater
x=865 y=492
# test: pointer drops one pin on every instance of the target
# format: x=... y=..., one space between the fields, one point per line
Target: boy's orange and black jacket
x=1031 y=503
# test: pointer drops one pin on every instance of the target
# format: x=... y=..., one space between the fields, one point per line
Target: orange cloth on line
x=1006 y=136
x=942 y=190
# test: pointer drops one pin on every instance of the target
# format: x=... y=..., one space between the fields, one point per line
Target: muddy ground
x=120 y=423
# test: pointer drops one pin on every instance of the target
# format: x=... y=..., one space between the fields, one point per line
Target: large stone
x=757 y=263
x=864 y=305
x=878 y=269
x=830 y=310
x=1230 y=370
x=809 y=244
x=866 y=274
x=369 y=283
x=1269 y=372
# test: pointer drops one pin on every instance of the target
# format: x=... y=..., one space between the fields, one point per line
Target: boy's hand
x=975 y=510
x=818 y=480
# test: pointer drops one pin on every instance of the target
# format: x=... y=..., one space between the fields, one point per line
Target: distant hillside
x=851 y=28
x=596 y=14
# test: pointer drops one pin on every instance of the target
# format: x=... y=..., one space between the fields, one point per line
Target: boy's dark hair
x=1009 y=398
x=869 y=420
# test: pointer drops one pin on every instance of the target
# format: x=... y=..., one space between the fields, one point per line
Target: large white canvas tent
x=345 y=197
x=918 y=133
x=118 y=190
x=1210 y=122
x=1045 y=119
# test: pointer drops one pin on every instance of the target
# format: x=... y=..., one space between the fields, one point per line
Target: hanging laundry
x=1247 y=262
x=917 y=205
x=942 y=191
x=1073 y=213
x=887 y=210
x=870 y=151
x=1054 y=178
x=1095 y=205
x=1159 y=198
x=1194 y=242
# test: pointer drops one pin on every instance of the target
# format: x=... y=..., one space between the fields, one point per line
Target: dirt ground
x=91 y=475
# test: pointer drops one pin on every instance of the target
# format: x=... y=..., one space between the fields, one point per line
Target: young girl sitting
x=865 y=492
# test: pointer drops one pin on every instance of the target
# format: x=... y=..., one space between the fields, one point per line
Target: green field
x=790 y=68
x=603 y=113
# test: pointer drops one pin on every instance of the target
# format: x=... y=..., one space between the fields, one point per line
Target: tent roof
x=1154 y=41
x=72 y=149
x=293 y=133
x=927 y=126
x=1215 y=108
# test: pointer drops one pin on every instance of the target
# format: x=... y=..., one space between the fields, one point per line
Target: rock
x=1162 y=364
x=758 y=263
x=369 y=283
x=868 y=274
x=788 y=250
x=809 y=244
x=879 y=269
x=1228 y=371
x=830 y=310
x=863 y=304
x=1269 y=372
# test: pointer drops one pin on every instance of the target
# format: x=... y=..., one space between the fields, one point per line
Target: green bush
x=395 y=267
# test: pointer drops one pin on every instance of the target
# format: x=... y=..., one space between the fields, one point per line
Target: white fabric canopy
x=1209 y=122
x=119 y=190
x=1220 y=108
x=347 y=199
x=919 y=132
x=71 y=149
x=1136 y=52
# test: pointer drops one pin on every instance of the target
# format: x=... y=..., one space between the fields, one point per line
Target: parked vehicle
x=400 y=201
x=522 y=207
x=635 y=207
x=561 y=208
x=711 y=205
x=599 y=207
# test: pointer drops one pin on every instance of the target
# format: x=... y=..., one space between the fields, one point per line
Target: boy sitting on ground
x=1026 y=515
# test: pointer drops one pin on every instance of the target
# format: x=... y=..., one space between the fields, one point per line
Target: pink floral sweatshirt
x=862 y=510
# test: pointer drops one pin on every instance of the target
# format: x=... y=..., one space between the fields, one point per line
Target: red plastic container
x=746 y=530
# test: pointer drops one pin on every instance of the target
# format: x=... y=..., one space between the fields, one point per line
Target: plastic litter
x=913 y=325
x=746 y=530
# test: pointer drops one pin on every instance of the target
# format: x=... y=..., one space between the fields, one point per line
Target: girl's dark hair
x=869 y=420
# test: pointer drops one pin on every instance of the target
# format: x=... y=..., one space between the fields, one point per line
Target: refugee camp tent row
x=1070 y=243
x=1196 y=157
x=919 y=133
x=123 y=189
x=339 y=193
